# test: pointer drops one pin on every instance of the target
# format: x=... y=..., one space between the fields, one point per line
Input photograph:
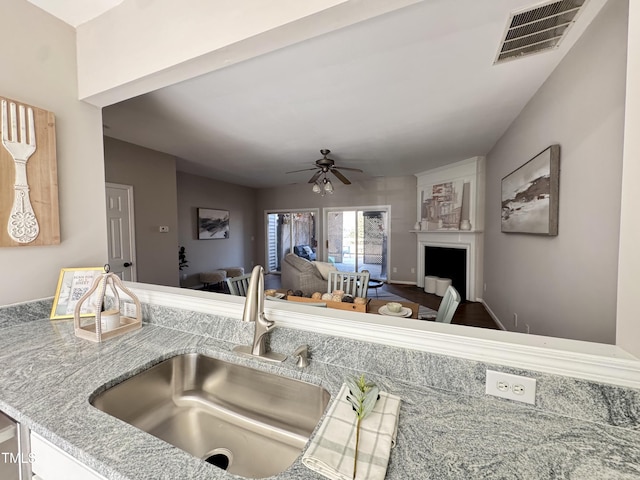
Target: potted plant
x=182 y=261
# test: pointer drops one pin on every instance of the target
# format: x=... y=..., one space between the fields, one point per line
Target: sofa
x=298 y=273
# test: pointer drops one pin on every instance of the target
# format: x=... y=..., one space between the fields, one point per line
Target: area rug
x=423 y=312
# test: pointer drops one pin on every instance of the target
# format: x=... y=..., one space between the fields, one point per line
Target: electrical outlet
x=413 y=270
x=395 y=269
x=163 y=229
x=512 y=387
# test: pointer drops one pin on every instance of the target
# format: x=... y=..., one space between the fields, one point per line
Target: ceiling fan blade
x=315 y=176
x=303 y=170
x=340 y=176
x=350 y=169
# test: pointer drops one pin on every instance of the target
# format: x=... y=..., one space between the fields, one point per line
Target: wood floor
x=468 y=313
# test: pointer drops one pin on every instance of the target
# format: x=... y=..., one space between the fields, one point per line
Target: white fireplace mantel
x=471 y=241
x=469 y=171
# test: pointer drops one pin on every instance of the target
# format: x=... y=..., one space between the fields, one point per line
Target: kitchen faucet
x=254 y=312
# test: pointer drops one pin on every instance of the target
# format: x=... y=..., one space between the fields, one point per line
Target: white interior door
x=120 y=230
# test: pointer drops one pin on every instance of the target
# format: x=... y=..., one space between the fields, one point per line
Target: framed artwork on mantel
x=530 y=195
x=28 y=176
x=442 y=206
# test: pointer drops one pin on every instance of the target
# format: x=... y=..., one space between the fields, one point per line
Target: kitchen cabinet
x=51 y=463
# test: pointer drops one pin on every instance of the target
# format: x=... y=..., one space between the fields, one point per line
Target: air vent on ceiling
x=537 y=29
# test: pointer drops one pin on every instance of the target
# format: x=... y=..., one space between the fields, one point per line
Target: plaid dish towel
x=331 y=451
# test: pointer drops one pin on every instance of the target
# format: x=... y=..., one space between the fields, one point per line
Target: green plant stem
x=355 y=455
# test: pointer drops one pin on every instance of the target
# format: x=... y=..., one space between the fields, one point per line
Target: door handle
x=127 y=264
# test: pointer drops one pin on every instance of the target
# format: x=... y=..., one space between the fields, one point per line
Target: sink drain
x=220 y=457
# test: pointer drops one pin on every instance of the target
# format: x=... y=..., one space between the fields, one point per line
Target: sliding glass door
x=290 y=231
x=356 y=239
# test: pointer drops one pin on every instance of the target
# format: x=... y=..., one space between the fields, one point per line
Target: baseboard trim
x=493 y=315
x=401 y=282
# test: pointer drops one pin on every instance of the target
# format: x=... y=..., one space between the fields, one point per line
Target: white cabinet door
x=51 y=463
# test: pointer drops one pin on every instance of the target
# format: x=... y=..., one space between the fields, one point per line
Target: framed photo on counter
x=73 y=283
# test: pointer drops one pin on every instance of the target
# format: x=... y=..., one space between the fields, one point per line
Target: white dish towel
x=331 y=451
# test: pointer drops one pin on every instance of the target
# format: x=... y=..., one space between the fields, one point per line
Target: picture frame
x=441 y=205
x=530 y=195
x=213 y=224
x=73 y=283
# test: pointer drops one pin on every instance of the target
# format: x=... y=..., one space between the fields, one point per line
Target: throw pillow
x=324 y=268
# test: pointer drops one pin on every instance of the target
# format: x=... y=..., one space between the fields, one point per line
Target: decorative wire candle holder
x=110 y=323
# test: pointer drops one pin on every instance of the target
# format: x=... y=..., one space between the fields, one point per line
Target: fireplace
x=457 y=253
x=447 y=262
x=466 y=249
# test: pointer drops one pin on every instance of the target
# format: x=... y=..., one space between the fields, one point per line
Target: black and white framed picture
x=530 y=195
x=212 y=223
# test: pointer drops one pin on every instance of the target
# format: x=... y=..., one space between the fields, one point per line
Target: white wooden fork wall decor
x=28 y=176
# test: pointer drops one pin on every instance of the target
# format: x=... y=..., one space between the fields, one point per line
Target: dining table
x=374 y=305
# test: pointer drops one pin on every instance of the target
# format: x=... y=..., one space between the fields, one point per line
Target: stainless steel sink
x=244 y=420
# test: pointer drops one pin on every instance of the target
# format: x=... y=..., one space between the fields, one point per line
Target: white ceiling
x=395 y=95
x=75 y=12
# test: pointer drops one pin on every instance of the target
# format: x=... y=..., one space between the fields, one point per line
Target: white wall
x=135 y=47
x=628 y=327
x=565 y=286
x=38 y=65
x=153 y=177
x=208 y=255
x=399 y=192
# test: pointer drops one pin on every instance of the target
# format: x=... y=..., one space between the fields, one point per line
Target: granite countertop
x=48 y=376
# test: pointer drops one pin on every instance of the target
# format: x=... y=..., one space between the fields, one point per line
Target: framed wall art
x=73 y=283
x=212 y=223
x=530 y=195
x=442 y=206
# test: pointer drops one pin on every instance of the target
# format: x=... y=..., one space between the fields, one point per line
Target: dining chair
x=351 y=283
x=239 y=285
x=448 y=305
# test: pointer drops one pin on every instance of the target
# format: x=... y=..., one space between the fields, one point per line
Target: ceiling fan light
x=316 y=188
x=328 y=186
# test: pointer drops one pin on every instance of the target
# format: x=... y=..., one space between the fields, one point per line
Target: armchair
x=300 y=274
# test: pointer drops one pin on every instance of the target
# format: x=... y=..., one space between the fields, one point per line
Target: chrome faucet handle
x=302 y=356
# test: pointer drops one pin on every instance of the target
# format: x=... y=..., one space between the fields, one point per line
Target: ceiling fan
x=325 y=165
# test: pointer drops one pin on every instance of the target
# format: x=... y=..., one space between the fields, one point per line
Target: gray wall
x=207 y=255
x=153 y=177
x=565 y=286
x=399 y=192
x=38 y=63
